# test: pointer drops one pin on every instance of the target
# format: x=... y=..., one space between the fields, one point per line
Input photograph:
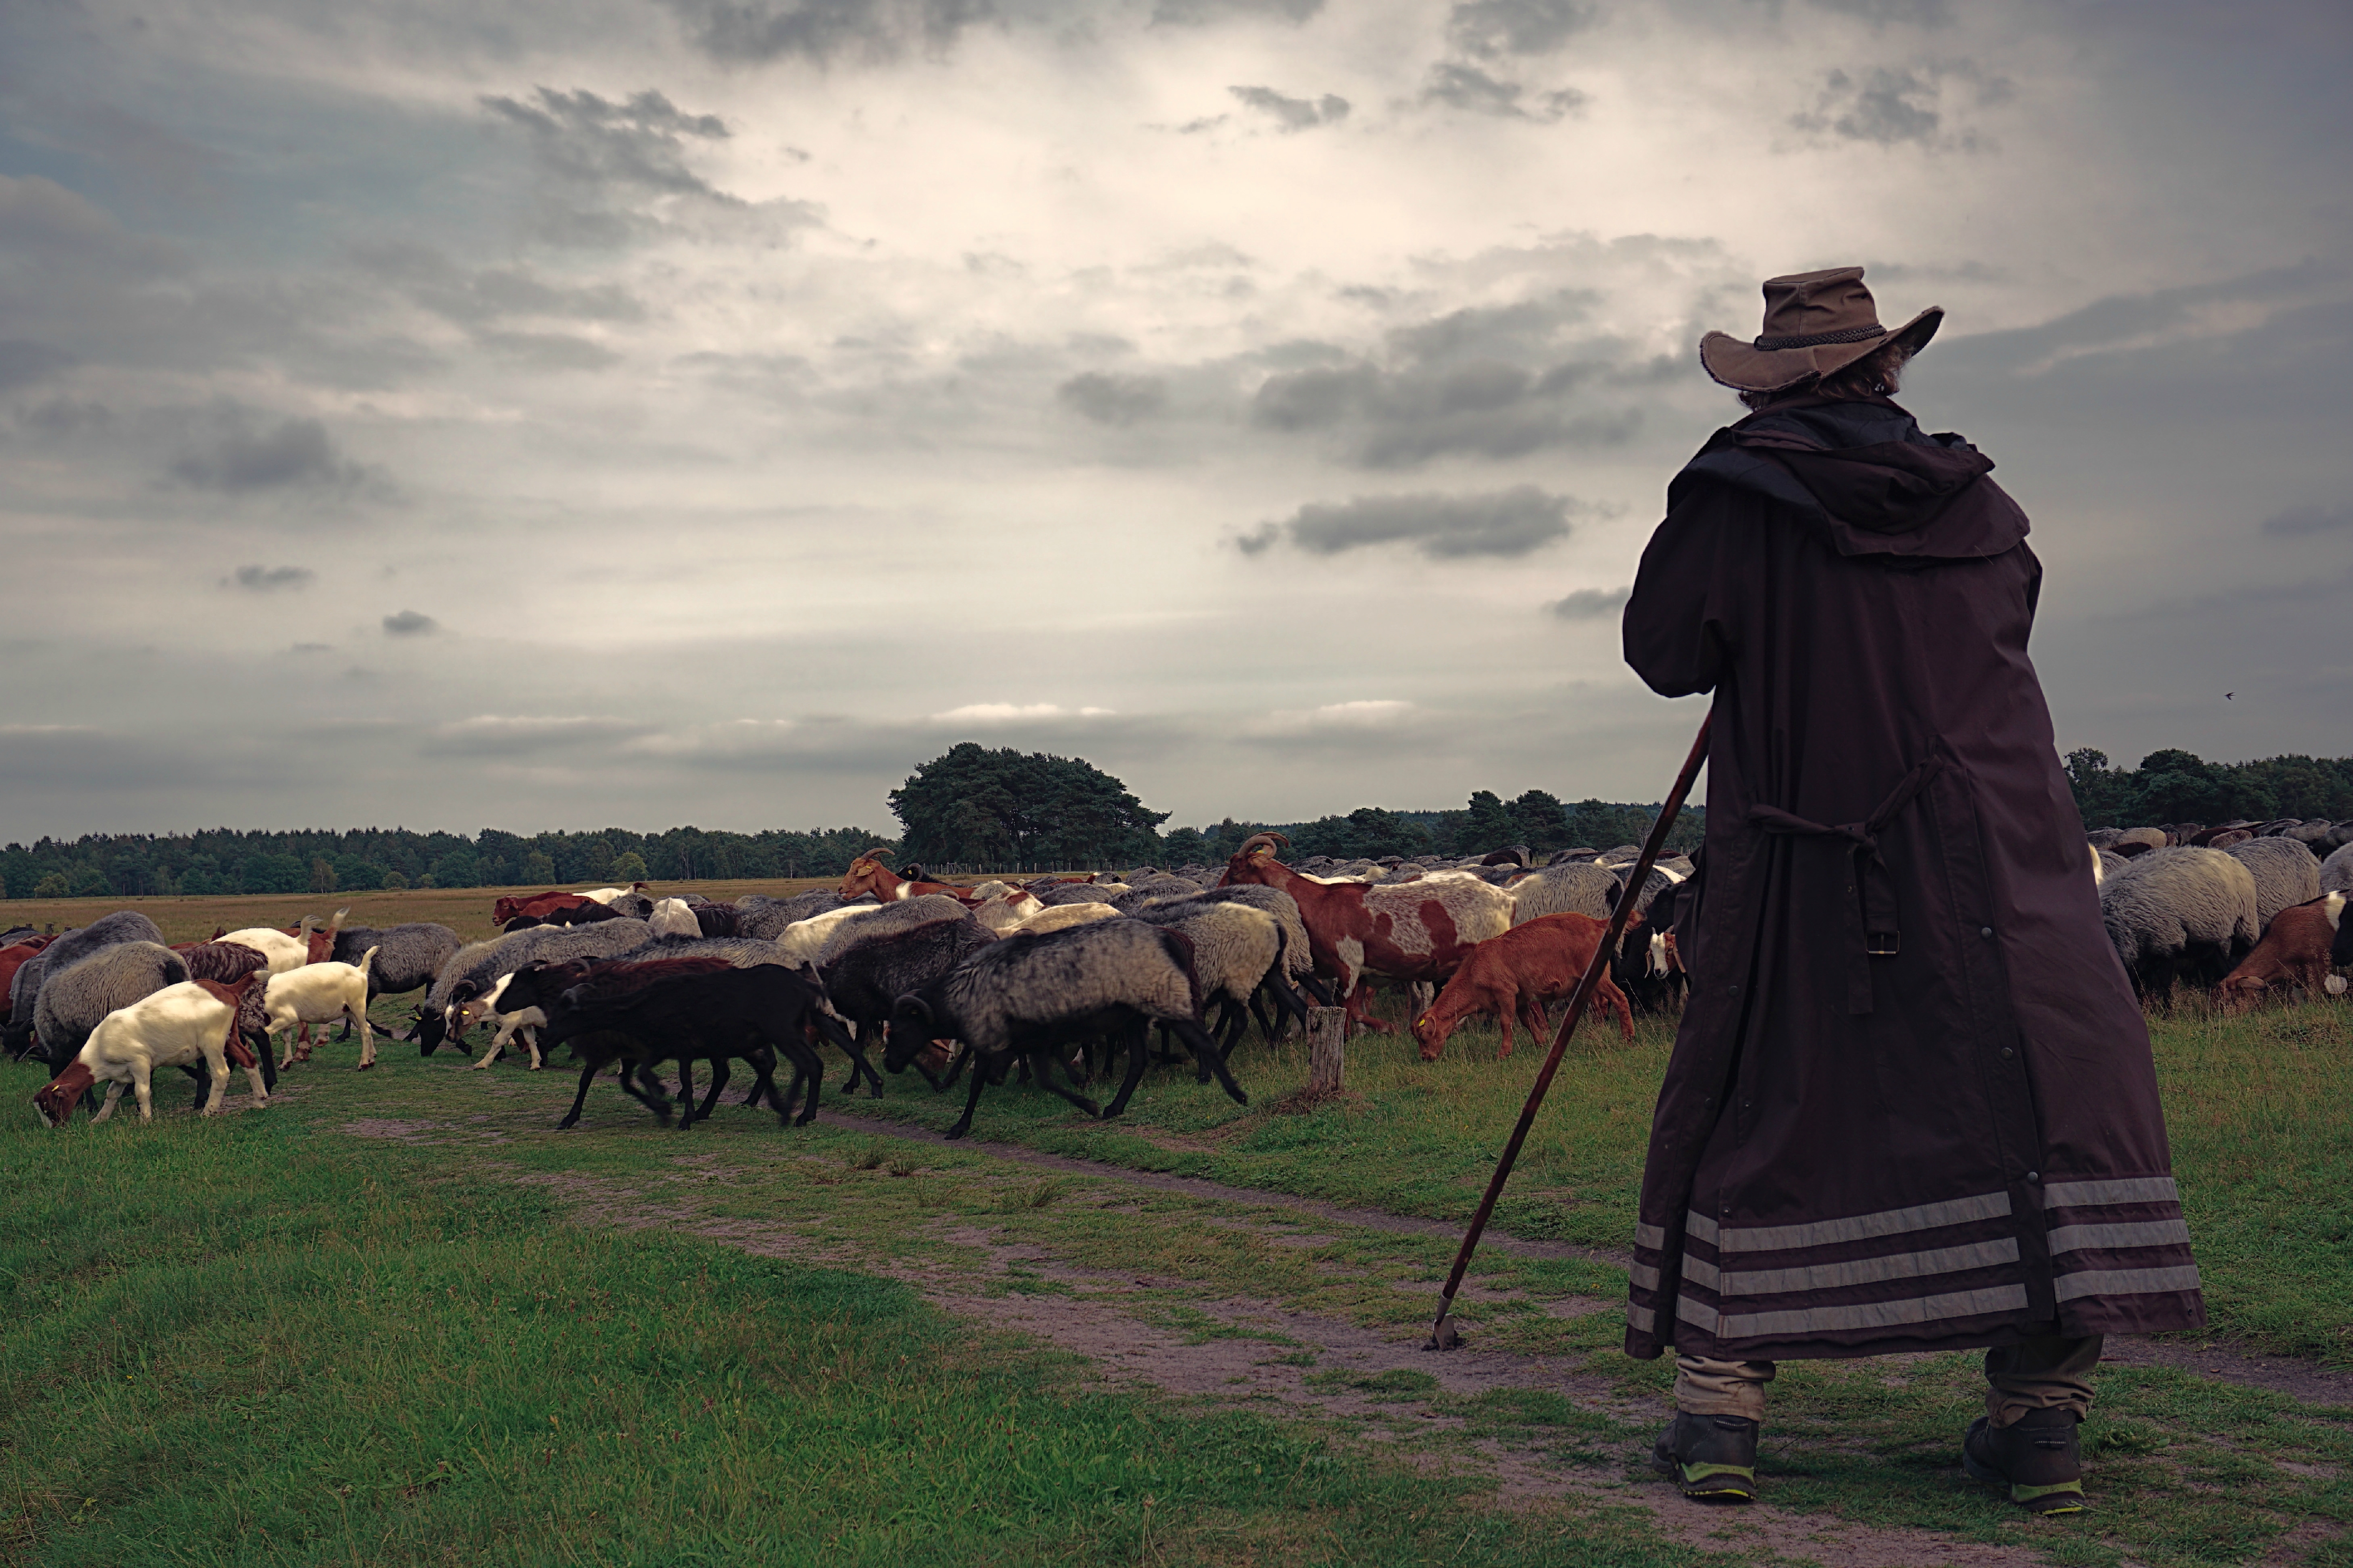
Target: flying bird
x=2228 y=695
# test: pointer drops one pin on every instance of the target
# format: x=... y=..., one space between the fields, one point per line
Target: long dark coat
x=1911 y=1105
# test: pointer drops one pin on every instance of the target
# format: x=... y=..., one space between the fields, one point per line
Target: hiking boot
x=1712 y=1457
x=2034 y=1457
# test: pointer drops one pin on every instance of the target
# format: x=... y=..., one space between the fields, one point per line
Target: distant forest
x=1008 y=811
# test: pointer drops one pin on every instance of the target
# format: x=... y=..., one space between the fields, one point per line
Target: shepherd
x=1911 y=1105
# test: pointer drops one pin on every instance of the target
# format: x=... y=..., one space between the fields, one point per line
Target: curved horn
x=1264 y=840
x=876 y=854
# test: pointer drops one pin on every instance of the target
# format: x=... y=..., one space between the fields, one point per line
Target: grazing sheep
x=1031 y=996
x=2177 y=911
x=177 y=1026
x=2337 y=870
x=106 y=931
x=2296 y=949
x=1298 y=956
x=671 y=918
x=1061 y=917
x=1080 y=892
x=321 y=994
x=73 y=1000
x=2134 y=842
x=1577 y=887
x=224 y=961
x=407 y=956
x=23 y=990
x=1515 y=975
x=1001 y=906
x=2286 y=873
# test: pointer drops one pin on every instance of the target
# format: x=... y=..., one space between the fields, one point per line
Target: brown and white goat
x=180 y=1025
x=1514 y=975
x=867 y=873
x=2296 y=950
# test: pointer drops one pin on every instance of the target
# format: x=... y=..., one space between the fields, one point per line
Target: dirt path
x=1202 y=1187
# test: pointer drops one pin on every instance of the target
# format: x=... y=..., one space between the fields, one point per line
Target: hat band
x=1823 y=339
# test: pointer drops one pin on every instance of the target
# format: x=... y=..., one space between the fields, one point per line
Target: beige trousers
x=2042 y=1373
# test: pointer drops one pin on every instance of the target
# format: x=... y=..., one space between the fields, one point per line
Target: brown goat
x=2295 y=951
x=1514 y=975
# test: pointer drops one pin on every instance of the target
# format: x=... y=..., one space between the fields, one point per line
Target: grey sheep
x=1082 y=893
x=863 y=983
x=1034 y=997
x=2335 y=876
x=479 y=965
x=106 y=932
x=407 y=956
x=73 y=1000
x=1239 y=953
x=1578 y=887
x=822 y=943
x=2286 y=873
x=2176 y=911
x=757 y=915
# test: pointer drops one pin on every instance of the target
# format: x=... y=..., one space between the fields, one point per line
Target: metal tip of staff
x=1442 y=1334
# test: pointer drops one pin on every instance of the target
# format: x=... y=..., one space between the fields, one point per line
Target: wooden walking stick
x=1442 y=1335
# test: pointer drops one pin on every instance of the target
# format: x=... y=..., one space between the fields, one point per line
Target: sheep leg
x=719 y=1077
x=1135 y=1064
x=1203 y=1047
x=806 y=1061
x=963 y=1122
x=1045 y=1074
x=685 y=1092
x=587 y=1077
x=658 y=1102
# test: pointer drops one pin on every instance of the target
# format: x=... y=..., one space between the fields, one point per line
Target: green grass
x=511 y=1345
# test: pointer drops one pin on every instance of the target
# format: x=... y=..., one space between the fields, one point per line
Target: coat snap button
x=2007 y=1053
x=1985 y=930
x=2034 y=1175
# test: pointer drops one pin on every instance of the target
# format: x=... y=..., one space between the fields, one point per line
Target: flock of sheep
x=1055 y=980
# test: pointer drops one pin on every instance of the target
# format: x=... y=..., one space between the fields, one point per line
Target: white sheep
x=321 y=994
x=177 y=1026
x=673 y=917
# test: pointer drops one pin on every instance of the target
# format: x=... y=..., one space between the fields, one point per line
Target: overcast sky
x=499 y=412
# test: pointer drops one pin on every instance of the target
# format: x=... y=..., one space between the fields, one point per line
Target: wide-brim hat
x=1816 y=324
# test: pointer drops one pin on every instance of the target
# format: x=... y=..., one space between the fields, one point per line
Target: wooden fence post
x=1326 y=1050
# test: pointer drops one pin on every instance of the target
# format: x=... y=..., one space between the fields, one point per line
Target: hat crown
x=1813 y=304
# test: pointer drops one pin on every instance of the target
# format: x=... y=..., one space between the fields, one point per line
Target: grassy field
x=395 y=1318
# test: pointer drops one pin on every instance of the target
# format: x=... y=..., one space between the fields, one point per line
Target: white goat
x=321 y=994
x=671 y=918
x=284 y=952
x=176 y=1026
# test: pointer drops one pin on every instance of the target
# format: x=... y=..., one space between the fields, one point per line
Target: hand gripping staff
x=1442 y=1336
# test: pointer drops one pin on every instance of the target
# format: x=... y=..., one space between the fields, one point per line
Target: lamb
x=1027 y=997
x=1514 y=975
x=319 y=993
x=1578 y=887
x=2179 y=910
x=73 y=1002
x=2296 y=949
x=2286 y=873
x=181 y=1024
x=756 y=1013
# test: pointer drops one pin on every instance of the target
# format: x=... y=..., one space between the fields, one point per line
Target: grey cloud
x=603 y=160
x=1472 y=90
x=1589 y=604
x=67 y=416
x=491 y=295
x=824 y=30
x=2298 y=520
x=1502 y=524
x=1293 y=113
x=268 y=579
x=491 y=735
x=409 y=623
x=1489 y=28
x=549 y=351
x=1494 y=382
x=1882 y=106
x=1923 y=13
x=1196 y=13
x=295 y=453
x=24 y=361
x=1108 y=400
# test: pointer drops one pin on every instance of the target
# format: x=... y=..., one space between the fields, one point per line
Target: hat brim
x=1744 y=367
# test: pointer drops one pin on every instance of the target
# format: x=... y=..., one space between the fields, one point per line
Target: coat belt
x=1871 y=925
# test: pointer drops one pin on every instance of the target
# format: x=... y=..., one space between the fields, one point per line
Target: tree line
x=1007 y=811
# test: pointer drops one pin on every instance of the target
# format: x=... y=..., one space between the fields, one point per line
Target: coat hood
x=1866 y=474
